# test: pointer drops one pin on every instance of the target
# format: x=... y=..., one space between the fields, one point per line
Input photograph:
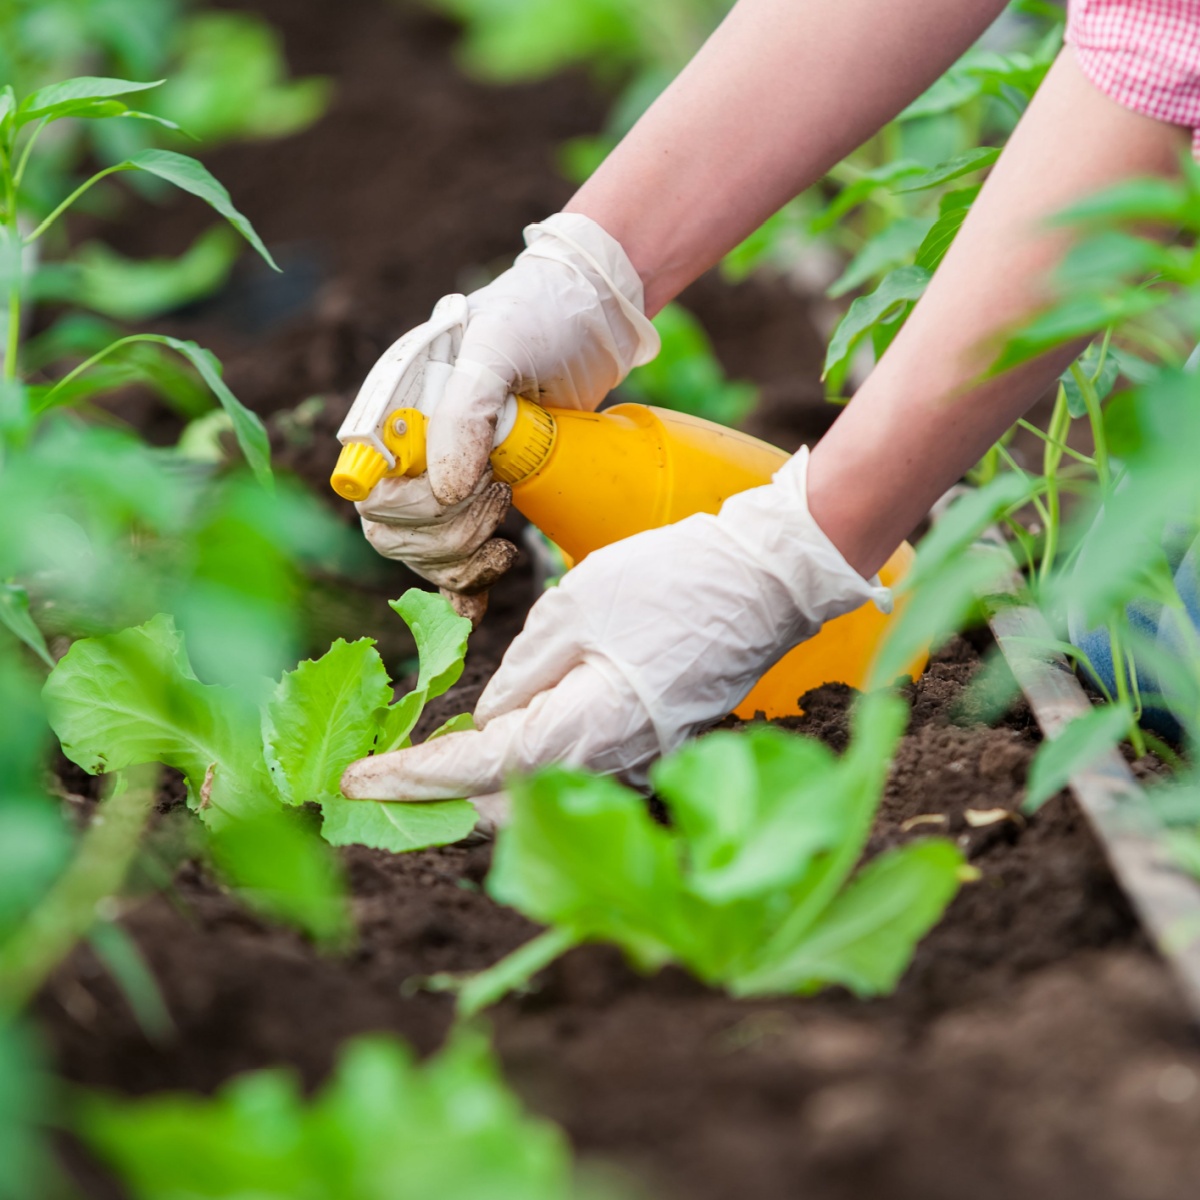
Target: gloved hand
x=640 y=646
x=564 y=325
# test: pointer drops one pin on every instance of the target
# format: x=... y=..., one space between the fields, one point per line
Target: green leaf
x=8 y=103
x=754 y=809
x=441 y=636
x=382 y=1125
x=1148 y=199
x=1111 y=259
x=1103 y=376
x=229 y=80
x=1074 y=317
x=862 y=189
x=884 y=303
x=459 y=724
x=131 y=698
x=948 y=93
x=935 y=608
x=124 y=961
x=58 y=99
x=766 y=829
x=963 y=523
x=891 y=247
x=686 y=376
x=285 y=871
x=138 y=290
x=865 y=938
x=513 y=972
x=1073 y=750
x=955 y=168
x=248 y=429
x=396 y=723
x=321 y=718
x=582 y=853
x=397 y=826
x=192 y=176
x=134 y=114
x=14 y=613
x=952 y=211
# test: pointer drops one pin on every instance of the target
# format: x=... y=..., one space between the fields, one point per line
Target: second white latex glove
x=643 y=644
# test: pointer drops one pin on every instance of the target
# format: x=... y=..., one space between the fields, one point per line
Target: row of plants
x=180 y=586
x=176 y=585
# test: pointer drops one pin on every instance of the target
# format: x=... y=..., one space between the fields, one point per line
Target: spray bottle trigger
x=404 y=435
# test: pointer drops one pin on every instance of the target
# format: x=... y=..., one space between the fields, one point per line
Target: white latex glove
x=564 y=325
x=643 y=644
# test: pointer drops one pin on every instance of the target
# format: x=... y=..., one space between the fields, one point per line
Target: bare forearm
x=916 y=424
x=780 y=93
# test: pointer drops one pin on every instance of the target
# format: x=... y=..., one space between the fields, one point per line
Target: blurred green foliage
x=381 y=1128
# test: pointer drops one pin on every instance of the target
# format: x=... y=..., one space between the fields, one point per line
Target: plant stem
x=1061 y=447
x=48 y=401
x=1126 y=688
x=19 y=174
x=83 y=187
x=12 y=342
x=1051 y=458
x=1124 y=673
x=1091 y=400
x=12 y=233
x=68 y=910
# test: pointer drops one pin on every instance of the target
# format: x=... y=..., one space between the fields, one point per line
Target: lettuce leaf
x=132 y=698
x=382 y=1126
x=753 y=887
x=321 y=717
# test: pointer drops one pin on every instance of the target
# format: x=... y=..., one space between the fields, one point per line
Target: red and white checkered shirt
x=1144 y=54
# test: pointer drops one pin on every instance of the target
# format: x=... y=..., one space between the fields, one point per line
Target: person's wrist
x=776 y=526
x=645 y=255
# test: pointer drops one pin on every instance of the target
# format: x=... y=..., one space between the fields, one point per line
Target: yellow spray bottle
x=589 y=479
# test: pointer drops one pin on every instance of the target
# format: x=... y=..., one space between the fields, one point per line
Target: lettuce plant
x=752 y=887
x=382 y=1128
x=132 y=698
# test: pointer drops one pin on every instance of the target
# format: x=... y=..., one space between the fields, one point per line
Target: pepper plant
x=22 y=123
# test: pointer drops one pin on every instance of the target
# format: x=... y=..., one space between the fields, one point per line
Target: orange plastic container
x=611 y=474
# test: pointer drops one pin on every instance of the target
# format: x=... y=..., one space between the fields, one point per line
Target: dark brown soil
x=1037 y=1048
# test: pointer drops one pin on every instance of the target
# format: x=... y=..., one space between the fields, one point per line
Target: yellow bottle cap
x=528 y=444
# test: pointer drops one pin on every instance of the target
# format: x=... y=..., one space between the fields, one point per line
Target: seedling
x=24 y=225
x=382 y=1127
x=132 y=697
x=753 y=887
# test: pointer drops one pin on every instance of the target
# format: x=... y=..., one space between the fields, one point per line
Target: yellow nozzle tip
x=359 y=468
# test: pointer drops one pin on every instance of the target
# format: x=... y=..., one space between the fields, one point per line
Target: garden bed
x=1036 y=1048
